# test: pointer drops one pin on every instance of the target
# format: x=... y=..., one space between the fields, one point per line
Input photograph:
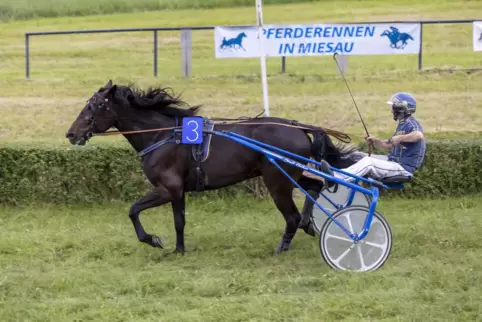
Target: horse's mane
x=158 y=99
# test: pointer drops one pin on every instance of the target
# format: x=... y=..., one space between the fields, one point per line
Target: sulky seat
x=393 y=182
x=396 y=179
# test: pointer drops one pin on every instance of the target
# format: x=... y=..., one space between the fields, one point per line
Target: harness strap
x=155 y=146
x=160 y=143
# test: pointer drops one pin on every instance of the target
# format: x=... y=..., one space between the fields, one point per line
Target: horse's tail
x=318 y=145
x=343 y=137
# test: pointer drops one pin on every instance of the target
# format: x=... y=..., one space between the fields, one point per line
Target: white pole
x=259 y=18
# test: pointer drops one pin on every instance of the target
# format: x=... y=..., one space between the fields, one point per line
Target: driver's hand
x=371 y=139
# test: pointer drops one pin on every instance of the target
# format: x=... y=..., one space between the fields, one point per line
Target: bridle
x=94 y=107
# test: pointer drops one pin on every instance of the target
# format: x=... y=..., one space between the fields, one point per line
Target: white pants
x=376 y=167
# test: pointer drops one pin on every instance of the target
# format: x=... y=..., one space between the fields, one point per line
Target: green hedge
x=450 y=168
x=96 y=174
x=90 y=174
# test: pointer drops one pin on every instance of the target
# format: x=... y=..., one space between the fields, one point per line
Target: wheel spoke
x=337 y=261
x=382 y=246
x=348 y=218
x=339 y=237
x=362 y=261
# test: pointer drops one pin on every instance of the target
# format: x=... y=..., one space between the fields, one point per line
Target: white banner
x=318 y=39
x=477 y=29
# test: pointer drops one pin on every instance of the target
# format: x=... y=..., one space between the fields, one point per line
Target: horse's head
x=385 y=33
x=243 y=35
x=97 y=116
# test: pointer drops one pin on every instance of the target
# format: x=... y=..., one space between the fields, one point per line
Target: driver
x=407 y=146
x=407 y=153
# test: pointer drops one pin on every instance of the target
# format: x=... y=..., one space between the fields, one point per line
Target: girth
x=200 y=153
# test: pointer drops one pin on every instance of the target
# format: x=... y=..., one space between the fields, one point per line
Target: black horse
x=172 y=170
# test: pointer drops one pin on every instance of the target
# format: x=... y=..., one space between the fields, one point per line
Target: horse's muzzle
x=73 y=139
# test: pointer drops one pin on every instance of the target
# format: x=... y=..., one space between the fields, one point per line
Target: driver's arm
x=413 y=136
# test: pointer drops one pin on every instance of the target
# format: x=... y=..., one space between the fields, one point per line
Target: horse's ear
x=109 y=84
x=112 y=90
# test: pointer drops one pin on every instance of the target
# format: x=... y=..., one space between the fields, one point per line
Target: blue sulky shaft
x=273 y=157
x=369 y=181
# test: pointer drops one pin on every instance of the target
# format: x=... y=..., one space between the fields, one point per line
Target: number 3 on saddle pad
x=192 y=130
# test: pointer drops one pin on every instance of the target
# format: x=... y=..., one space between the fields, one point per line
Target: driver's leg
x=374 y=168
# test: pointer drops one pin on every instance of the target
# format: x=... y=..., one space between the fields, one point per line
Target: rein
x=337 y=134
x=160 y=129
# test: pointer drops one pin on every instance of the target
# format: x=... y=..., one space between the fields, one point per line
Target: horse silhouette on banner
x=395 y=36
x=235 y=43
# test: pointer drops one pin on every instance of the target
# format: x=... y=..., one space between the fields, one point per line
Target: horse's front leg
x=155 y=198
x=178 y=210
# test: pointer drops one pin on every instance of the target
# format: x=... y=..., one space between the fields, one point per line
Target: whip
x=361 y=118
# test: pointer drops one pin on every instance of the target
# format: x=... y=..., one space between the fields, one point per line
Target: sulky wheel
x=342 y=253
x=339 y=197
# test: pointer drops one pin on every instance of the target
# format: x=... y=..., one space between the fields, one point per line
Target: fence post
x=155 y=53
x=27 y=56
x=283 y=64
x=420 y=49
x=343 y=62
x=186 y=52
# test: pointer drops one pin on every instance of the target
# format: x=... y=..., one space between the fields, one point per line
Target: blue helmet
x=403 y=105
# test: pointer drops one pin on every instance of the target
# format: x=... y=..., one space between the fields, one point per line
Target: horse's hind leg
x=281 y=190
x=313 y=188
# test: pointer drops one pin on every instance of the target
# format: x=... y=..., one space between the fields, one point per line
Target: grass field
x=24 y=9
x=85 y=263
x=66 y=70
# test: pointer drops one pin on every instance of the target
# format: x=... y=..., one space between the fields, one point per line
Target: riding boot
x=305 y=222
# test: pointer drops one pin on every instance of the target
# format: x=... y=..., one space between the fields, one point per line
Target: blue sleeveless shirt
x=409 y=155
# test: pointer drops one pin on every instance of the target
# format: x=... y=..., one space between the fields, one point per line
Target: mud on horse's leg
x=155 y=198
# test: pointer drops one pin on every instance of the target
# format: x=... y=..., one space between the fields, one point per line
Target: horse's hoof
x=175 y=251
x=309 y=230
x=280 y=250
x=157 y=242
